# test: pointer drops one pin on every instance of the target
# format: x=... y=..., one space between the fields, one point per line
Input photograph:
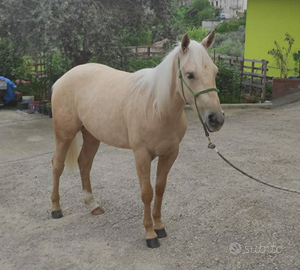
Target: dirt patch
x=215 y=217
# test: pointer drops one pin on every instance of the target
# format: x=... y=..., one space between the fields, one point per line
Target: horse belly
x=112 y=132
x=101 y=105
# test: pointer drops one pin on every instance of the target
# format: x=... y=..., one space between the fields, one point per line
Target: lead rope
x=213 y=146
x=252 y=177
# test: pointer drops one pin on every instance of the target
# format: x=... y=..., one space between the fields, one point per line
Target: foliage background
x=72 y=32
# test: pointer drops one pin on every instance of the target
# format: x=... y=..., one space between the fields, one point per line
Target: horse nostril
x=212 y=119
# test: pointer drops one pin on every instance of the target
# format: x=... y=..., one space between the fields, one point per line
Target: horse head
x=197 y=81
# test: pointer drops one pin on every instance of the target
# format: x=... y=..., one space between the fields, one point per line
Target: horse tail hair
x=71 y=162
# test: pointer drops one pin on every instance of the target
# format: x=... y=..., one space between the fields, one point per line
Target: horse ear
x=208 y=41
x=185 y=42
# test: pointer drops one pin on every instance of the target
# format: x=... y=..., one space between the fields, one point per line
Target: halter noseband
x=195 y=96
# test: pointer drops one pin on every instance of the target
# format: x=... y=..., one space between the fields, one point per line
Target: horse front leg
x=163 y=167
x=143 y=165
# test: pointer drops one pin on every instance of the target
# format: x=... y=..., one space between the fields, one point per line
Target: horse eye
x=190 y=76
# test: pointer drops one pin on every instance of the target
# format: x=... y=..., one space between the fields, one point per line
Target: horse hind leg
x=85 y=160
x=66 y=126
x=62 y=145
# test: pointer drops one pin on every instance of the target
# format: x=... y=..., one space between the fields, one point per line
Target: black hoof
x=56 y=214
x=153 y=243
x=161 y=233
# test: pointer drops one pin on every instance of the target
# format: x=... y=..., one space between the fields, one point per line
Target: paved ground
x=215 y=217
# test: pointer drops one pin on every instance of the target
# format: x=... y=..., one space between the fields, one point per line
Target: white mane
x=158 y=80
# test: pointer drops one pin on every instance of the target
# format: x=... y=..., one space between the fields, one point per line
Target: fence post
x=241 y=78
x=148 y=50
x=251 y=77
x=264 y=80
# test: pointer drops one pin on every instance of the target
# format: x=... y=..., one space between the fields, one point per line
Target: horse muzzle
x=214 y=121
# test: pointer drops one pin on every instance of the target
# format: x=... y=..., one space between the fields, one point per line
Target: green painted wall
x=269 y=20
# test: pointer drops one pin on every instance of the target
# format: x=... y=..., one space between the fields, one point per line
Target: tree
x=199 y=11
x=200 y=5
x=79 y=29
x=9 y=59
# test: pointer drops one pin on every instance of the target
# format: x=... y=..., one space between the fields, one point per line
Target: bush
x=281 y=55
x=197 y=33
x=25 y=70
x=232 y=48
x=179 y=16
x=228 y=82
x=11 y=63
x=231 y=26
x=56 y=65
x=143 y=37
x=135 y=64
x=194 y=15
x=231 y=43
x=296 y=59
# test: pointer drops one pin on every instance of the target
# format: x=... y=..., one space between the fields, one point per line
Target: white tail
x=71 y=162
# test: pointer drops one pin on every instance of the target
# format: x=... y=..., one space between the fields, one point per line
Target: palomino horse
x=142 y=111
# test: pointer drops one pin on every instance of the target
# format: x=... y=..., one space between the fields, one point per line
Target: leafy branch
x=281 y=55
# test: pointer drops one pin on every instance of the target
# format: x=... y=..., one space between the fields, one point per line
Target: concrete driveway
x=215 y=217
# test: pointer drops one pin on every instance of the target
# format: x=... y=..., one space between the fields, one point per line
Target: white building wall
x=230 y=8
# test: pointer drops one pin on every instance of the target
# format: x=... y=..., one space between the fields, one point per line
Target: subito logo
x=235 y=248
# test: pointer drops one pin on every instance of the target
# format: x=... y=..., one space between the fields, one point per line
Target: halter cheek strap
x=182 y=81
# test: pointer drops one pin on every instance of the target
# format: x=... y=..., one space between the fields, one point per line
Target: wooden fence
x=146 y=51
x=253 y=73
x=39 y=65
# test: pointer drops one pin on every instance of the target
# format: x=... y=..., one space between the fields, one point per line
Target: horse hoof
x=153 y=243
x=97 y=211
x=56 y=214
x=161 y=233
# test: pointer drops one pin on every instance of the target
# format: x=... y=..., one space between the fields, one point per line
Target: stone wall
x=184 y=3
x=209 y=25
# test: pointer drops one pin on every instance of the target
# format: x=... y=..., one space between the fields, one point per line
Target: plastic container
x=27 y=99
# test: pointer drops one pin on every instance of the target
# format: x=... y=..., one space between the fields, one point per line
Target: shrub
x=194 y=15
x=232 y=48
x=281 y=55
x=143 y=37
x=231 y=26
x=296 y=58
x=231 y=43
x=179 y=16
x=135 y=64
x=24 y=71
x=228 y=82
x=197 y=33
x=11 y=63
